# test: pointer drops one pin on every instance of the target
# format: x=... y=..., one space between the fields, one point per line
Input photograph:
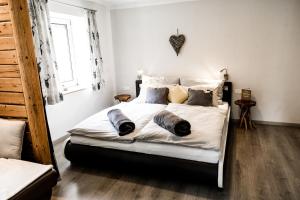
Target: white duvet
x=206 y=127
x=98 y=126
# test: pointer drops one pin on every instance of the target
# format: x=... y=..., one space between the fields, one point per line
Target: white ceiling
x=119 y=4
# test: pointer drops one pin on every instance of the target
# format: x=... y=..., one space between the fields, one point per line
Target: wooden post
x=21 y=26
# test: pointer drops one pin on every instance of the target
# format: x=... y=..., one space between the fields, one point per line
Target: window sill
x=72 y=90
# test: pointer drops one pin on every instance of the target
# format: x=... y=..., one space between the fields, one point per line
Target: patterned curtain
x=46 y=60
x=96 y=57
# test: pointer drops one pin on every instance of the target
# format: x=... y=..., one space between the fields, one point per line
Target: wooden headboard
x=20 y=91
x=227 y=90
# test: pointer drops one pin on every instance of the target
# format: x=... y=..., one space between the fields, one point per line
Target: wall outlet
x=125 y=88
x=237 y=91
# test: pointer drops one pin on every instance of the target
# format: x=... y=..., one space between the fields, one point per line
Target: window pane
x=62 y=51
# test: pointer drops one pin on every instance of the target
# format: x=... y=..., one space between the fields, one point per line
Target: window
x=72 y=48
x=62 y=39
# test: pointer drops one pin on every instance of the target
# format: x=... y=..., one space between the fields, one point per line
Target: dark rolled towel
x=173 y=123
x=121 y=123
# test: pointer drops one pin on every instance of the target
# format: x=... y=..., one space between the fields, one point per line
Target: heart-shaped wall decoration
x=177 y=42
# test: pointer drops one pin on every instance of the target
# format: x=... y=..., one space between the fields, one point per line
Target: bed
x=159 y=149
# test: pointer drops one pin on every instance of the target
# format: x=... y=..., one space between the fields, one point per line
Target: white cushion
x=11 y=134
x=15 y=175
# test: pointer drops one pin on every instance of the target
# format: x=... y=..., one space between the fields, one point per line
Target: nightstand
x=123 y=97
x=245 y=117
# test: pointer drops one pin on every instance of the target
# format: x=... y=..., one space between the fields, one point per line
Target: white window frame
x=68 y=86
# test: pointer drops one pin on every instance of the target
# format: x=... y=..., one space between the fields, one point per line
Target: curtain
x=96 y=61
x=44 y=49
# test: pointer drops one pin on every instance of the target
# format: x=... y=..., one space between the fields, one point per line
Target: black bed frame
x=98 y=156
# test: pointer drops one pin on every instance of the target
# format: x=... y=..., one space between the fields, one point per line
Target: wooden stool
x=123 y=97
x=245 y=117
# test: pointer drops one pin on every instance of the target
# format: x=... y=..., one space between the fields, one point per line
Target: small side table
x=245 y=117
x=123 y=97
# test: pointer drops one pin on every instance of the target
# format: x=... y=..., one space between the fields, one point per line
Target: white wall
x=79 y=105
x=259 y=40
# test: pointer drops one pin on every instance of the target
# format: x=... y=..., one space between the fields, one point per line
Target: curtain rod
x=73 y=5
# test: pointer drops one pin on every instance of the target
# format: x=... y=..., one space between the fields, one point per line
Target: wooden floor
x=262 y=164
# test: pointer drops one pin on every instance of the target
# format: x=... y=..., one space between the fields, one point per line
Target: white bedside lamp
x=140 y=74
x=226 y=76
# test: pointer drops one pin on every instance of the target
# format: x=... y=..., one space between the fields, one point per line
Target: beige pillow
x=177 y=94
x=11 y=138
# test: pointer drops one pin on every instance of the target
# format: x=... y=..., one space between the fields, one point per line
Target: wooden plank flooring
x=262 y=164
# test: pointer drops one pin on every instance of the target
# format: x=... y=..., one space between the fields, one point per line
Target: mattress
x=15 y=175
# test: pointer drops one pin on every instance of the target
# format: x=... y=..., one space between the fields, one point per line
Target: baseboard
x=271 y=123
x=276 y=123
x=61 y=139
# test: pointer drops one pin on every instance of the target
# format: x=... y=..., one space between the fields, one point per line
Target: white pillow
x=205 y=83
x=11 y=138
x=195 y=81
x=150 y=80
x=154 y=80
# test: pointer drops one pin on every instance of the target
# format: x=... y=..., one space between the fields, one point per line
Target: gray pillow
x=157 y=95
x=200 y=97
x=11 y=138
